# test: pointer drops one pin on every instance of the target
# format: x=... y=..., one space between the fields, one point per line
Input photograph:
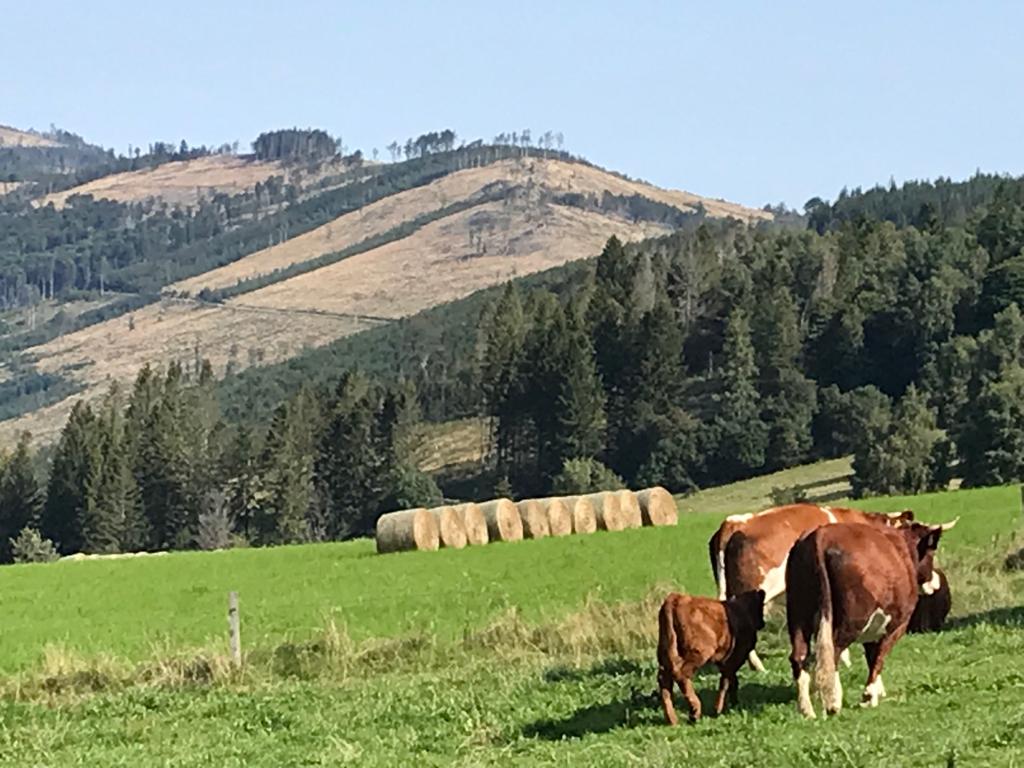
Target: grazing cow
x=933 y=604
x=850 y=584
x=749 y=551
x=693 y=631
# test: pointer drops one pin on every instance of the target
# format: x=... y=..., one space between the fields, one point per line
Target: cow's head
x=925 y=540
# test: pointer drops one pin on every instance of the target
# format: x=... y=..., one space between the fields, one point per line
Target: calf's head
x=748 y=611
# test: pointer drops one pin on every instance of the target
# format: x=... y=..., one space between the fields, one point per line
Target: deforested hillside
x=259 y=260
x=181 y=182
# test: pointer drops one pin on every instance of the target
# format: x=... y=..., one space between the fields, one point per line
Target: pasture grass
x=540 y=653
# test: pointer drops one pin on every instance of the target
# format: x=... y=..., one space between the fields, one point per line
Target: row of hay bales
x=503 y=520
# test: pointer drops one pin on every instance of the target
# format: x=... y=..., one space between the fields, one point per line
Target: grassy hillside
x=532 y=653
x=407 y=252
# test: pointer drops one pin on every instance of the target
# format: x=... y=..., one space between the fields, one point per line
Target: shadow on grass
x=1001 y=617
x=614 y=667
x=644 y=709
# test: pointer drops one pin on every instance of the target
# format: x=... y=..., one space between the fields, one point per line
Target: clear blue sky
x=751 y=101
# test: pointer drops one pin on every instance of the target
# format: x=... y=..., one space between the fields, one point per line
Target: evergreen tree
x=580 y=417
x=287 y=475
x=113 y=518
x=76 y=464
x=740 y=433
x=21 y=497
x=164 y=470
x=347 y=460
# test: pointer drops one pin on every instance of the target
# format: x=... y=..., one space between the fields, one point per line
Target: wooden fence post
x=234 y=629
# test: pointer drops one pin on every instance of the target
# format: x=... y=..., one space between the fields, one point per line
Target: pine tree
x=789 y=397
x=113 y=520
x=163 y=469
x=286 y=473
x=21 y=498
x=580 y=419
x=76 y=464
x=742 y=436
x=346 y=463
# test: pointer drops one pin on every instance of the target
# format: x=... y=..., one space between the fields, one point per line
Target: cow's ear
x=930 y=540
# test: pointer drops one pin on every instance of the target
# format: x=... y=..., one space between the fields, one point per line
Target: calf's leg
x=691 y=697
x=665 y=683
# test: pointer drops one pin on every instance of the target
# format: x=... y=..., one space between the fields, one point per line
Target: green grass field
x=512 y=654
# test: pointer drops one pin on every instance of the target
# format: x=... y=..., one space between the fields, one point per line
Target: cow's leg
x=665 y=683
x=734 y=689
x=798 y=661
x=845 y=658
x=874 y=654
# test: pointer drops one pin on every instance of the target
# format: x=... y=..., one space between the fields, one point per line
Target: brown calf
x=693 y=631
x=847 y=584
x=749 y=551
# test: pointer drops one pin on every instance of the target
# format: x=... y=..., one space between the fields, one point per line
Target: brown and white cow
x=749 y=551
x=849 y=584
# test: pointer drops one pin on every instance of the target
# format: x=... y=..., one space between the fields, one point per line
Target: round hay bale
x=503 y=521
x=657 y=506
x=558 y=515
x=608 y=510
x=582 y=514
x=535 y=520
x=473 y=524
x=407 y=529
x=449 y=526
x=630 y=506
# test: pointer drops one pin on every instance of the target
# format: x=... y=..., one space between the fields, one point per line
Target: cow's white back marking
x=829 y=514
x=739 y=518
x=803 y=694
x=874 y=629
x=931 y=586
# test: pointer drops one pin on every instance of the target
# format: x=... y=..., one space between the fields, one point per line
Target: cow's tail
x=669 y=662
x=716 y=549
x=826 y=678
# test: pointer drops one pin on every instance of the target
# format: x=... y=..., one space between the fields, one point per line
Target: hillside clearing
x=536 y=653
x=438 y=263
x=177 y=183
x=553 y=176
x=116 y=349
